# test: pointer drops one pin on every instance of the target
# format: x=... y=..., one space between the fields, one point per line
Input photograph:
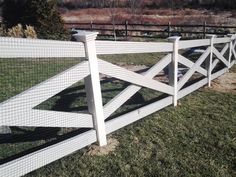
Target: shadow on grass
x=50 y=136
x=36 y=135
x=65 y=103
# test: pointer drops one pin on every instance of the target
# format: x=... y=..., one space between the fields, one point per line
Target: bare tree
x=136 y=9
x=113 y=13
x=135 y=5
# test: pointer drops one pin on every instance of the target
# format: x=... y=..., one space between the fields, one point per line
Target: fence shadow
x=64 y=103
x=51 y=135
x=37 y=135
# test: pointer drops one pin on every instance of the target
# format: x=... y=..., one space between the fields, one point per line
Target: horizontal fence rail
x=29 y=48
x=185 y=74
x=128 y=29
x=111 y=47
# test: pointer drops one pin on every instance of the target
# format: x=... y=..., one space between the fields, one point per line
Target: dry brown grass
x=95 y=150
x=160 y=16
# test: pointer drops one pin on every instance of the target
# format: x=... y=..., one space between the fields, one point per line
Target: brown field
x=159 y=16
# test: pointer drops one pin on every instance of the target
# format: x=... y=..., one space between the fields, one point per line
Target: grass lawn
x=194 y=139
x=197 y=138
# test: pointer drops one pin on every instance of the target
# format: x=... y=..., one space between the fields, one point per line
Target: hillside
x=73 y=4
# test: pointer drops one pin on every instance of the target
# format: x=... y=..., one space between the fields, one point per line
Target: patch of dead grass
x=225 y=83
x=95 y=150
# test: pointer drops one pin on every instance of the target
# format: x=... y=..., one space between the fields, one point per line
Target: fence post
x=204 y=30
x=173 y=68
x=92 y=85
x=233 y=48
x=91 y=25
x=114 y=30
x=169 y=29
x=231 y=36
x=126 y=28
x=209 y=63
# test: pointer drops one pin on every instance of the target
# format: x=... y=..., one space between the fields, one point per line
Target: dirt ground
x=225 y=83
x=94 y=149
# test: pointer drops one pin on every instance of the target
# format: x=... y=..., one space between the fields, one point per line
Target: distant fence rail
x=152 y=30
x=212 y=58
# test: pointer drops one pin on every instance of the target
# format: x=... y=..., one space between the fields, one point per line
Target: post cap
x=211 y=36
x=84 y=36
x=174 y=38
x=232 y=36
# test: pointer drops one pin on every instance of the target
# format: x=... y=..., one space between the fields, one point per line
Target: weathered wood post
x=92 y=85
x=91 y=25
x=209 y=63
x=126 y=28
x=114 y=30
x=173 y=68
x=169 y=29
x=204 y=30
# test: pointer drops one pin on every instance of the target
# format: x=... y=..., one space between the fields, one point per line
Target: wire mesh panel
x=48 y=90
x=42 y=95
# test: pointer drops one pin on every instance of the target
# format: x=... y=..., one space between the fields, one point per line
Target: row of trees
x=73 y=4
x=228 y=4
x=42 y=15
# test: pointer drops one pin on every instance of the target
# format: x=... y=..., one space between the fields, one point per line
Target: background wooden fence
x=128 y=29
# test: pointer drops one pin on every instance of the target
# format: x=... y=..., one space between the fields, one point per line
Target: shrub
x=19 y=32
x=16 y=31
x=29 y=32
x=2 y=31
x=43 y=15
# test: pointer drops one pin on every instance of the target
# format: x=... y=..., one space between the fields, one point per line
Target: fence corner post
x=173 y=69
x=92 y=84
x=209 y=64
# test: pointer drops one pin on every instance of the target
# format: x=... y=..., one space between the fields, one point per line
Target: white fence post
x=209 y=64
x=92 y=85
x=233 y=47
x=231 y=36
x=173 y=68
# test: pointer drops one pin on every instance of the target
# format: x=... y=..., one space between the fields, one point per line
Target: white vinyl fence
x=217 y=56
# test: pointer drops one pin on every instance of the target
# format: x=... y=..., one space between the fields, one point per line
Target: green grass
x=194 y=139
x=18 y=75
x=197 y=138
x=148 y=59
